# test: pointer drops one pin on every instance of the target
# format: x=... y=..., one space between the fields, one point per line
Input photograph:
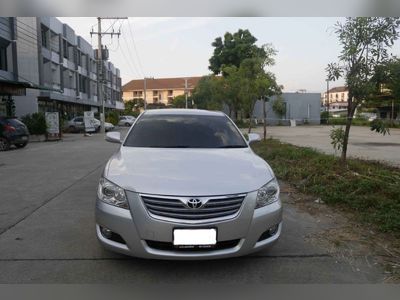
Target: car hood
x=187 y=172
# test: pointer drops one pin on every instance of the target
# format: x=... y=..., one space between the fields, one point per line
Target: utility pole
x=100 y=76
x=186 y=94
x=145 y=91
x=327 y=97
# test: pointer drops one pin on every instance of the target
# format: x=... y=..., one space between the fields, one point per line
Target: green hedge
x=36 y=123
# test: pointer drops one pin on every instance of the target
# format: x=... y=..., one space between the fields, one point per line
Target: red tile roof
x=161 y=84
x=338 y=89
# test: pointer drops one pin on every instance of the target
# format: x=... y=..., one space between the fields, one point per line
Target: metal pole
x=145 y=92
x=327 y=97
x=100 y=75
x=186 y=95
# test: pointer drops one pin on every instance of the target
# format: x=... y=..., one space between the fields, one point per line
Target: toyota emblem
x=194 y=203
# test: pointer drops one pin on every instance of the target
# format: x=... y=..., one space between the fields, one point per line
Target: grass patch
x=370 y=189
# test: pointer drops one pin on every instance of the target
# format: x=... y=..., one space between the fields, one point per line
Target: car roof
x=183 y=111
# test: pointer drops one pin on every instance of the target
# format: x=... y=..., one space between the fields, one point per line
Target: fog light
x=107 y=233
x=269 y=233
x=273 y=230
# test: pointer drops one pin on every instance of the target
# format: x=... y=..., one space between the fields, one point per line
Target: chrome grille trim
x=174 y=208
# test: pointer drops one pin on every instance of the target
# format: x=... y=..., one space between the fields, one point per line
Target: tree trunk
x=350 y=113
x=264 y=119
x=251 y=114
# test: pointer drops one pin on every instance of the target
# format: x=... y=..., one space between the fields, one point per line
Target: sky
x=180 y=47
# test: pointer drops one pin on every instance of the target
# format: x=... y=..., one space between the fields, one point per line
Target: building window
x=79 y=58
x=3 y=58
x=170 y=93
x=65 y=49
x=82 y=84
x=45 y=38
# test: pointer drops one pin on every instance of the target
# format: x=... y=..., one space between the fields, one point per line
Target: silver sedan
x=186 y=185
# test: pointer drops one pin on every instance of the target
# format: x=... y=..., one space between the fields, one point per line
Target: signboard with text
x=53 y=125
x=89 y=121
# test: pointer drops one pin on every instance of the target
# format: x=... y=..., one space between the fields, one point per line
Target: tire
x=127 y=124
x=4 y=144
x=21 y=145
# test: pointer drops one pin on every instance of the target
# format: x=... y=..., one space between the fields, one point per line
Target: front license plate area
x=195 y=238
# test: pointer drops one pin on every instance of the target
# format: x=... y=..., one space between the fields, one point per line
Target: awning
x=18 y=88
x=13 y=88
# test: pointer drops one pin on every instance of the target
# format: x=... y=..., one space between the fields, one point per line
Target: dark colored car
x=12 y=132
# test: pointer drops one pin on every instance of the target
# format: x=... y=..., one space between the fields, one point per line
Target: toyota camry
x=185 y=184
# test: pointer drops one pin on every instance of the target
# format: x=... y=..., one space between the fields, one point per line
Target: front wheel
x=127 y=124
x=4 y=144
x=21 y=145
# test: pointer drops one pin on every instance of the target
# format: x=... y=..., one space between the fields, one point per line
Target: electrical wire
x=136 y=51
x=131 y=59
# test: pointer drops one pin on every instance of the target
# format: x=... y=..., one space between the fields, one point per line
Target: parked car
x=185 y=184
x=108 y=126
x=77 y=124
x=12 y=132
x=126 y=120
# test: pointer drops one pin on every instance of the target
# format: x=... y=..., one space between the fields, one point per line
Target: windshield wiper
x=233 y=146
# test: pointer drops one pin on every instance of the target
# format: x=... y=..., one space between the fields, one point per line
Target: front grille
x=167 y=246
x=176 y=208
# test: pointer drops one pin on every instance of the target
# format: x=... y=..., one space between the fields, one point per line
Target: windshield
x=184 y=131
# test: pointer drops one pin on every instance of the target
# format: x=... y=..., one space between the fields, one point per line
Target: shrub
x=112 y=117
x=36 y=123
x=324 y=117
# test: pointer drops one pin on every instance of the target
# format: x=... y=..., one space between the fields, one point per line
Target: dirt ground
x=347 y=238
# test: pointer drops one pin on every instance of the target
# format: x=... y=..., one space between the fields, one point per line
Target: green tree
x=132 y=107
x=208 y=93
x=180 y=101
x=365 y=43
x=279 y=107
x=387 y=77
x=233 y=49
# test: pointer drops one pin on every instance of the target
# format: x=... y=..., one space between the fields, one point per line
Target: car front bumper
x=142 y=234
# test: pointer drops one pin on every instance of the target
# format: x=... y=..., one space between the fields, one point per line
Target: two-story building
x=338 y=99
x=159 y=90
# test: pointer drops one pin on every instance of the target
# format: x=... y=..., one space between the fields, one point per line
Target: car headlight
x=268 y=193
x=111 y=193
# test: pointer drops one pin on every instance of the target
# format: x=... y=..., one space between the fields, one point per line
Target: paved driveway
x=363 y=142
x=47 y=230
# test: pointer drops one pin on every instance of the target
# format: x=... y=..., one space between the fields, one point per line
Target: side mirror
x=253 y=137
x=113 y=137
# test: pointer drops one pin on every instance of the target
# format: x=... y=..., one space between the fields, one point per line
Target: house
x=337 y=95
x=158 y=90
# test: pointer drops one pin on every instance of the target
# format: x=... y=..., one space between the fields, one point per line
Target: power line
x=129 y=62
x=131 y=58
x=134 y=45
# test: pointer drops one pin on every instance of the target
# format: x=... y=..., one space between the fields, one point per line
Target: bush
x=155 y=105
x=36 y=123
x=112 y=117
x=324 y=117
x=370 y=189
